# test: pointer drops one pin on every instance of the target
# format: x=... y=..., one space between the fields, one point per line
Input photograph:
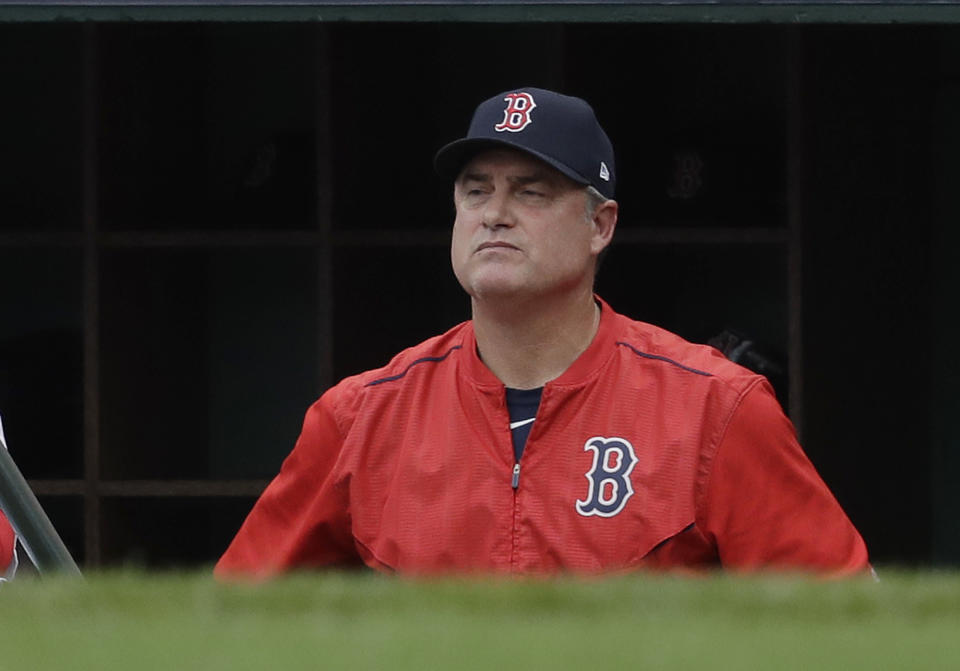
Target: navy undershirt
x=522 y=405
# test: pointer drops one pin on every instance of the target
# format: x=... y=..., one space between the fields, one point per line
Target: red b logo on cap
x=517 y=115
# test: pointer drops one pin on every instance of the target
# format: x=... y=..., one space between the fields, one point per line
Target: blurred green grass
x=139 y=620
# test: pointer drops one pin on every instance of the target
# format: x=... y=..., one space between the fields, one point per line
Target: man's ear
x=604 y=223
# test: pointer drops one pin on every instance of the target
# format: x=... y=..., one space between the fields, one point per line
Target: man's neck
x=527 y=344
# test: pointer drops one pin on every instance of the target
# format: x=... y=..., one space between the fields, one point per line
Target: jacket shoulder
x=655 y=344
x=344 y=399
x=414 y=359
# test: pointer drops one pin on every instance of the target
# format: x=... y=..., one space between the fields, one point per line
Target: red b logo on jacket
x=517 y=115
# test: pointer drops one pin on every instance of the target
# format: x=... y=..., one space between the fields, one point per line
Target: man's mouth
x=495 y=245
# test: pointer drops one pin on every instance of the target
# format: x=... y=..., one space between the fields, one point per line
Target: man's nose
x=497 y=212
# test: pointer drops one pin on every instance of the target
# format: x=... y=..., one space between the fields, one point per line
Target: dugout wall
x=210 y=213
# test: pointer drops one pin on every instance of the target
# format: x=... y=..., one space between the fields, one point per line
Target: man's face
x=521 y=229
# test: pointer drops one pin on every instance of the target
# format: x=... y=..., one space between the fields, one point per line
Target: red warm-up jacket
x=648 y=452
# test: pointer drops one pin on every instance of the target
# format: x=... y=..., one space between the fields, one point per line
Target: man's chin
x=496 y=281
x=499 y=291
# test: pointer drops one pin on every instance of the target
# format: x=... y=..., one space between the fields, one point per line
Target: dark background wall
x=203 y=225
x=872 y=139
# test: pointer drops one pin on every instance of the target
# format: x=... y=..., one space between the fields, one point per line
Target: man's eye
x=532 y=193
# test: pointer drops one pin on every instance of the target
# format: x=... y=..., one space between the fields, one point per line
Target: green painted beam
x=505 y=12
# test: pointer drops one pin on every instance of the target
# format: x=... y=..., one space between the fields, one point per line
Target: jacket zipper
x=515 y=539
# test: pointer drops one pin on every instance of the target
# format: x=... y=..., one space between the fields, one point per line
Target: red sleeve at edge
x=7 y=542
x=766 y=506
x=301 y=519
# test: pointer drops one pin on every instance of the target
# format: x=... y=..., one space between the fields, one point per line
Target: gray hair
x=594 y=200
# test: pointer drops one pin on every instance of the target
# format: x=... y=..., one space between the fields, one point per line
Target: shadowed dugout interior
x=204 y=225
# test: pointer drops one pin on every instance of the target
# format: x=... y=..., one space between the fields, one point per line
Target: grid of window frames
x=205 y=225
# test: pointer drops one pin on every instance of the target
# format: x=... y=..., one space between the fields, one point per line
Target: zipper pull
x=516 y=475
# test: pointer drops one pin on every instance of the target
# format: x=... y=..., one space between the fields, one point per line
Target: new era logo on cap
x=560 y=130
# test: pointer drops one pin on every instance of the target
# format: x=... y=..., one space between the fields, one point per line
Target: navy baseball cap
x=560 y=130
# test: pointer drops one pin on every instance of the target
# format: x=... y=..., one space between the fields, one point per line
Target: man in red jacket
x=549 y=433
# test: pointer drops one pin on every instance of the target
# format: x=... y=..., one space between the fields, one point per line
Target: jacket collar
x=580 y=371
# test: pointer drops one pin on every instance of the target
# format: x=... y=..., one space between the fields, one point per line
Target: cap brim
x=450 y=160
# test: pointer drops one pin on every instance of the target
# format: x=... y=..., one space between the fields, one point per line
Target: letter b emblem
x=517 y=115
x=609 y=477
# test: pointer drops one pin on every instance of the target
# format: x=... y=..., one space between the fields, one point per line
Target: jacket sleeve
x=764 y=504
x=302 y=519
x=7 y=544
